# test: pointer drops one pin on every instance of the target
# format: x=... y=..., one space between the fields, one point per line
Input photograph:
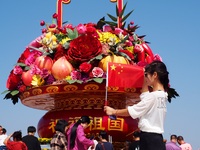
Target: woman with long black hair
x=76 y=136
x=151 y=110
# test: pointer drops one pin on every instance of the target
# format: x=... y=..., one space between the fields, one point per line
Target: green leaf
x=124 y=18
x=21 y=64
x=122 y=12
x=124 y=40
x=111 y=23
x=66 y=45
x=79 y=81
x=72 y=34
x=112 y=17
x=98 y=80
x=117 y=12
x=132 y=29
x=71 y=81
x=124 y=55
x=141 y=36
x=74 y=81
x=54 y=21
x=65 y=22
x=123 y=25
x=100 y=23
x=5 y=92
x=15 y=92
x=14 y=99
x=34 y=48
x=99 y=57
x=27 y=68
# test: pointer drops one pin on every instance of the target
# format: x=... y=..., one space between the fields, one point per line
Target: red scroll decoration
x=59 y=10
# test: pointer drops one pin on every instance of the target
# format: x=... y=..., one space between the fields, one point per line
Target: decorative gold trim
x=132 y=90
x=52 y=89
x=36 y=91
x=91 y=87
x=70 y=88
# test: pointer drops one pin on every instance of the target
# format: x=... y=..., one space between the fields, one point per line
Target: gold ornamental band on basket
x=78 y=96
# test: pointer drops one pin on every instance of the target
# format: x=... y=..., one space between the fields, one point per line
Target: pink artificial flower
x=131 y=38
x=44 y=73
x=85 y=67
x=81 y=29
x=76 y=75
x=157 y=57
x=31 y=58
x=97 y=72
x=107 y=28
x=17 y=70
x=105 y=48
x=138 y=48
x=128 y=43
x=35 y=70
x=68 y=26
x=118 y=31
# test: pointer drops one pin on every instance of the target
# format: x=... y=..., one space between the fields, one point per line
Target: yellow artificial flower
x=37 y=81
x=50 y=40
x=109 y=38
x=65 y=40
x=48 y=35
x=130 y=48
x=68 y=78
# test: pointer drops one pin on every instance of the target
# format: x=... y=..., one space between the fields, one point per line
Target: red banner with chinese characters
x=120 y=129
x=124 y=75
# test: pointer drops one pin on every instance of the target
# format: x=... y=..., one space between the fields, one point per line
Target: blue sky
x=172 y=27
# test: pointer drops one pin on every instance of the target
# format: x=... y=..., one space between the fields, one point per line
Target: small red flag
x=124 y=75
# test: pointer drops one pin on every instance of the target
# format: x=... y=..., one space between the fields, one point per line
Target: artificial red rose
x=90 y=30
x=22 y=88
x=84 y=48
x=13 y=81
x=85 y=67
x=24 y=56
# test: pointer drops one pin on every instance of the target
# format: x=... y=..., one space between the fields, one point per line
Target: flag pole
x=106 y=94
x=112 y=117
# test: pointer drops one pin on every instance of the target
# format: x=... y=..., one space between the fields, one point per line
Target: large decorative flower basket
x=70 y=101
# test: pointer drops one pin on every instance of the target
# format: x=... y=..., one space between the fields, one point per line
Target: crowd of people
x=73 y=138
x=16 y=141
x=150 y=111
x=66 y=137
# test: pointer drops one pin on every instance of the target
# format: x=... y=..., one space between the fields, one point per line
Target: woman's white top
x=151 y=111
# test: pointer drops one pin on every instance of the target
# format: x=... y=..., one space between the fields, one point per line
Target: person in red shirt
x=17 y=143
